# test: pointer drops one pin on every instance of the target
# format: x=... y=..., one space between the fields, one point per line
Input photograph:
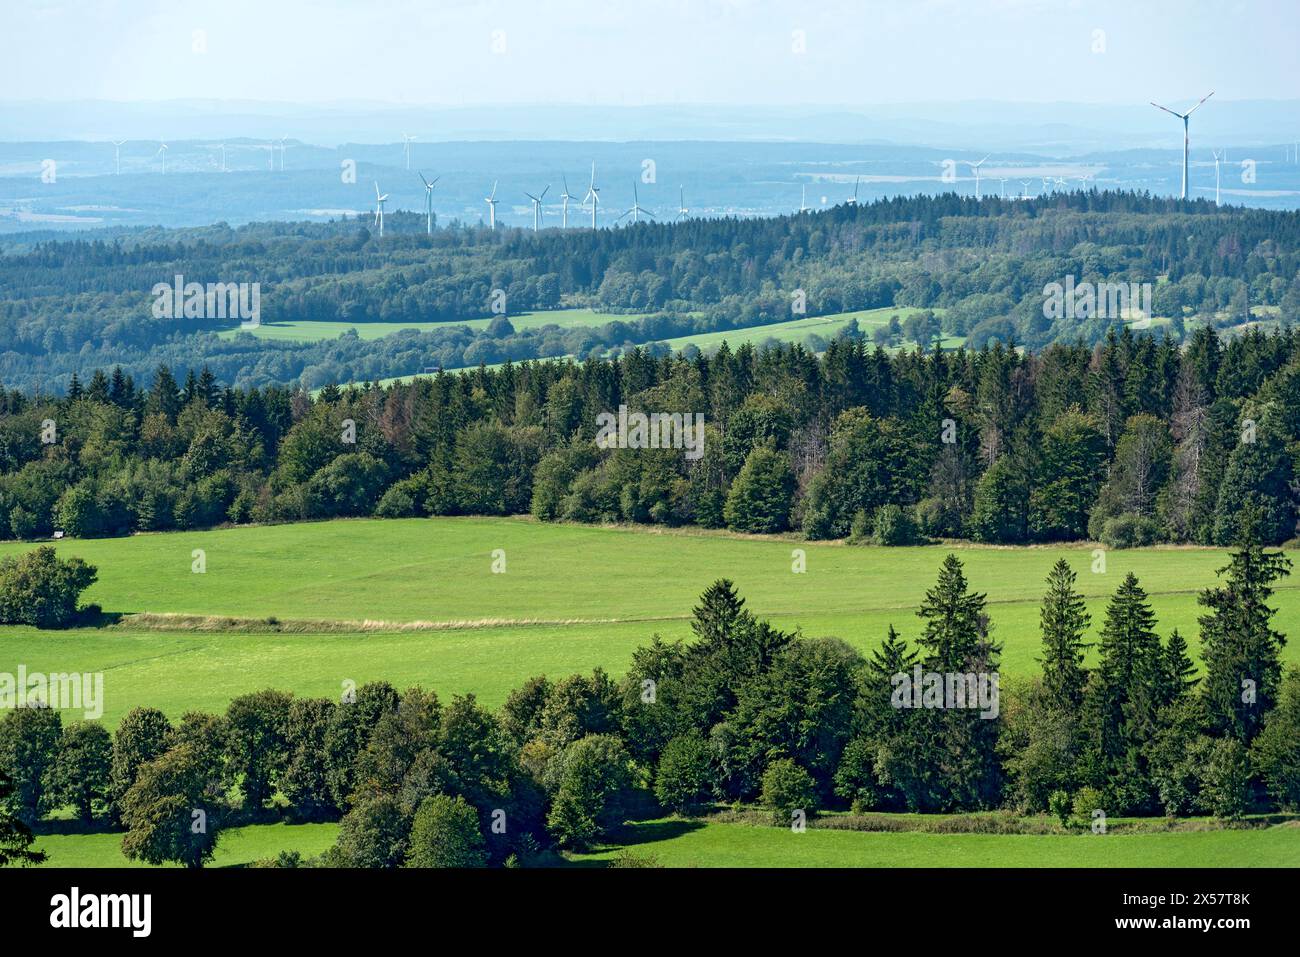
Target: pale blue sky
x=650 y=51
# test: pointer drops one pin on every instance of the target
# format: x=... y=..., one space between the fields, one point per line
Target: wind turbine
x=682 y=211
x=854 y=200
x=407 y=139
x=803 y=198
x=222 y=147
x=537 y=206
x=1024 y=188
x=282 y=149
x=637 y=209
x=492 y=207
x=564 y=210
x=975 y=168
x=380 y=199
x=162 y=151
x=1218 y=154
x=117 y=156
x=1002 y=193
x=593 y=194
x=428 y=202
x=271 y=163
x=1183 y=117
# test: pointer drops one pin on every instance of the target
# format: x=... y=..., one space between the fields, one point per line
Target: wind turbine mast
x=975 y=168
x=537 y=207
x=117 y=156
x=428 y=202
x=491 y=200
x=1186 y=137
x=593 y=194
x=380 y=199
x=564 y=209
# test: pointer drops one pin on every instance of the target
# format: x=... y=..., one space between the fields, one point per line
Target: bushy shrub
x=38 y=588
x=788 y=788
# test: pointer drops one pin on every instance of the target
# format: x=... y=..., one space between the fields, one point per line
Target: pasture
x=415 y=601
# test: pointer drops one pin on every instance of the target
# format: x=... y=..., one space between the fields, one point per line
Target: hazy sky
x=650 y=51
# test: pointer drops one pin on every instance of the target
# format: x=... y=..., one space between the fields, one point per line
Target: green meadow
x=312 y=331
x=416 y=601
x=674 y=842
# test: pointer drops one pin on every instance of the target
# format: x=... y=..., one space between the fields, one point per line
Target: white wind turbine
x=1183 y=117
x=682 y=211
x=1218 y=155
x=803 y=198
x=537 y=206
x=492 y=207
x=380 y=199
x=1024 y=188
x=637 y=209
x=593 y=194
x=564 y=209
x=975 y=168
x=428 y=202
x=270 y=165
x=1002 y=193
x=853 y=201
x=117 y=156
x=407 y=140
x=222 y=147
x=283 y=140
x=162 y=151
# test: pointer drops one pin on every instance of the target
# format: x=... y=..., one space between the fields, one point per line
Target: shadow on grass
x=638 y=838
x=66 y=826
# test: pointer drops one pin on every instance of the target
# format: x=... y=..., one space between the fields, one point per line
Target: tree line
x=1135 y=440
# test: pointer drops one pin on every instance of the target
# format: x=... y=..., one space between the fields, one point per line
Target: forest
x=1133 y=441
x=73 y=305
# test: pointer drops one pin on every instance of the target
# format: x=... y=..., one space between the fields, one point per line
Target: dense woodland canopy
x=76 y=305
x=1133 y=441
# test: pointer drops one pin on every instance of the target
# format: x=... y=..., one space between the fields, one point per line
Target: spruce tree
x=955 y=632
x=1241 y=650
x=1064 y=622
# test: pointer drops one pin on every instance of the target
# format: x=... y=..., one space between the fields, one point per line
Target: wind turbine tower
x=117 y=156
x=380 y=199
x=593 y=194
x=428 y=202
x=564 y=209
x=1218 y=155
x=491 y=200
x=162 y=151
x=407 y=139
x=682 y=211
x=537 y=206
x=1183 y=117
x=975 y=168
x=637 y=209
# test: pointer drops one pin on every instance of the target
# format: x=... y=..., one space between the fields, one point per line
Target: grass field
x=677 y=843
x=573 y=597
x=686 y=843
x=797 y=330
x=236 y=847
x=310 y=331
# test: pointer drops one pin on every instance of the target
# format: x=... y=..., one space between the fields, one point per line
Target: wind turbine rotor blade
x=1166 y=109
x=1198 y=104
x=544 y=192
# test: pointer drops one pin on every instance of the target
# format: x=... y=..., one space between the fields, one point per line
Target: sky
x=633 y=52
